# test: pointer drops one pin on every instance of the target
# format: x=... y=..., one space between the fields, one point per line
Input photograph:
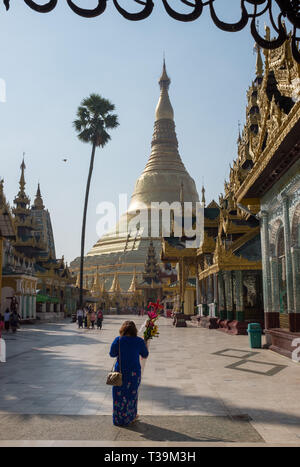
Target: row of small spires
x=115 y=287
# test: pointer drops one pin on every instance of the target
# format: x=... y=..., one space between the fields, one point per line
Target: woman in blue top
x=125 y=397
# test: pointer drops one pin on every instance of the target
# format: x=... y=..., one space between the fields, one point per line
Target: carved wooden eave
x=208 y=245
x=279 y=155
x=170 y=254
x=245 y=238
x=229 y=227
x=225 y=260
x=209 y=223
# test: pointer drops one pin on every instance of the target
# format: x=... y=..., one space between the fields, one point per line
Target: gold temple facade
x=247 y=268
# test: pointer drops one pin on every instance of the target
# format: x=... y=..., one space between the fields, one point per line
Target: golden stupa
x=164 y=178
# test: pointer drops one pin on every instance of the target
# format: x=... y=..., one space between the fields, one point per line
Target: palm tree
x=94 y=118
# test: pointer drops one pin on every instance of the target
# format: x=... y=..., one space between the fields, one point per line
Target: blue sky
x=51 y=62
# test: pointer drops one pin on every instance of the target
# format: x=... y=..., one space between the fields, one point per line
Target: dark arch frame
x=251 y=11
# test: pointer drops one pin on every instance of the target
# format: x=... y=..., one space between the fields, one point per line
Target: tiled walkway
x=192 y=373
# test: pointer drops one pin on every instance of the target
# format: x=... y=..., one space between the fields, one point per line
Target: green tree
x=94 y=119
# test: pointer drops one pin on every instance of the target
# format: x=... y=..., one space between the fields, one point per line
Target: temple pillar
x=197 y=289
x=188 y=302
x=239 y=300
x=210 y=293
x=295 y=321
x=274 y=285
x=229 y=295
x=271 y=318
x=215 y=295
x=288 y=257
x=204 y=297
x=221 y=293
x=34 y=306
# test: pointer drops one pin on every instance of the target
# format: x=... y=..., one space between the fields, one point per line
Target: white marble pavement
x=57 y=369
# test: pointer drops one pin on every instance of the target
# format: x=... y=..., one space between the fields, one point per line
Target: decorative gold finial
x=22 y=182
x=38 y=202
x=259 y=62
x=164 y=109
x=203 y=196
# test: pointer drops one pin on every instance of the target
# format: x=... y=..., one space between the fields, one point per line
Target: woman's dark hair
x=128 y=328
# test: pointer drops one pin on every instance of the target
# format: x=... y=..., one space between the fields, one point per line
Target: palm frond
x=94 y=118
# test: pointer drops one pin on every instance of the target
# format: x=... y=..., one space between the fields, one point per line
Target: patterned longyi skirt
x=125 y=398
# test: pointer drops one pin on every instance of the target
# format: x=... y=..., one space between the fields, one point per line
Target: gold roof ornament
x=21 y=196
x=203 y=196
x=134 y=283
x=102 y=286
x=96 y=285
x=164 y=109
x=115 y=287
x=38 y=202
x=259 y=62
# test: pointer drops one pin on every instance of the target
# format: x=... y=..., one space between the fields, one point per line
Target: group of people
x=87 y=317
x=10 y=320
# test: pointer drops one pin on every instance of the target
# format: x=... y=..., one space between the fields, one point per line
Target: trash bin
x=254 y=332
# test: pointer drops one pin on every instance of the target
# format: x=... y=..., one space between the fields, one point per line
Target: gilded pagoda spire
x=102 y=285
x=96 y=284
x=164 y=171
x=164 y=109
x=151 y=271
x=115 y=287
x=38 y=202
x=203 y=196
x=259 y=62
x=134 y=283
x=21 y=197
x=22 y=182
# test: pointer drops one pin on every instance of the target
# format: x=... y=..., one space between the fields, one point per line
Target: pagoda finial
x=38 y=202
x=115 y=287
x=203 y=196
x=239 y=140
x=164 y=109
x=259 y=62
x=22 y=182
x=133 y=285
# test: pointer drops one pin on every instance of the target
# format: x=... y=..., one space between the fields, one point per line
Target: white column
x=288 y=259
x=34 y=307
x=296 y=277
x=265 y=251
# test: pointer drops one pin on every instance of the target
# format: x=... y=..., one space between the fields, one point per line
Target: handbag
x=114 y=378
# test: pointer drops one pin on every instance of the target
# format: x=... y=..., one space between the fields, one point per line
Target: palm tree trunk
x=84 y=225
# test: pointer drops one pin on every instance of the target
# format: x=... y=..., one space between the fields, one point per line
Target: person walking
x=6 y=319
x=2 y=341
x=128 y=348
x=14 y=321
x=99 y=318
x=88 y=318
x=1 y=324
x=85 y=314
x=93 y=319
x=80 y=318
